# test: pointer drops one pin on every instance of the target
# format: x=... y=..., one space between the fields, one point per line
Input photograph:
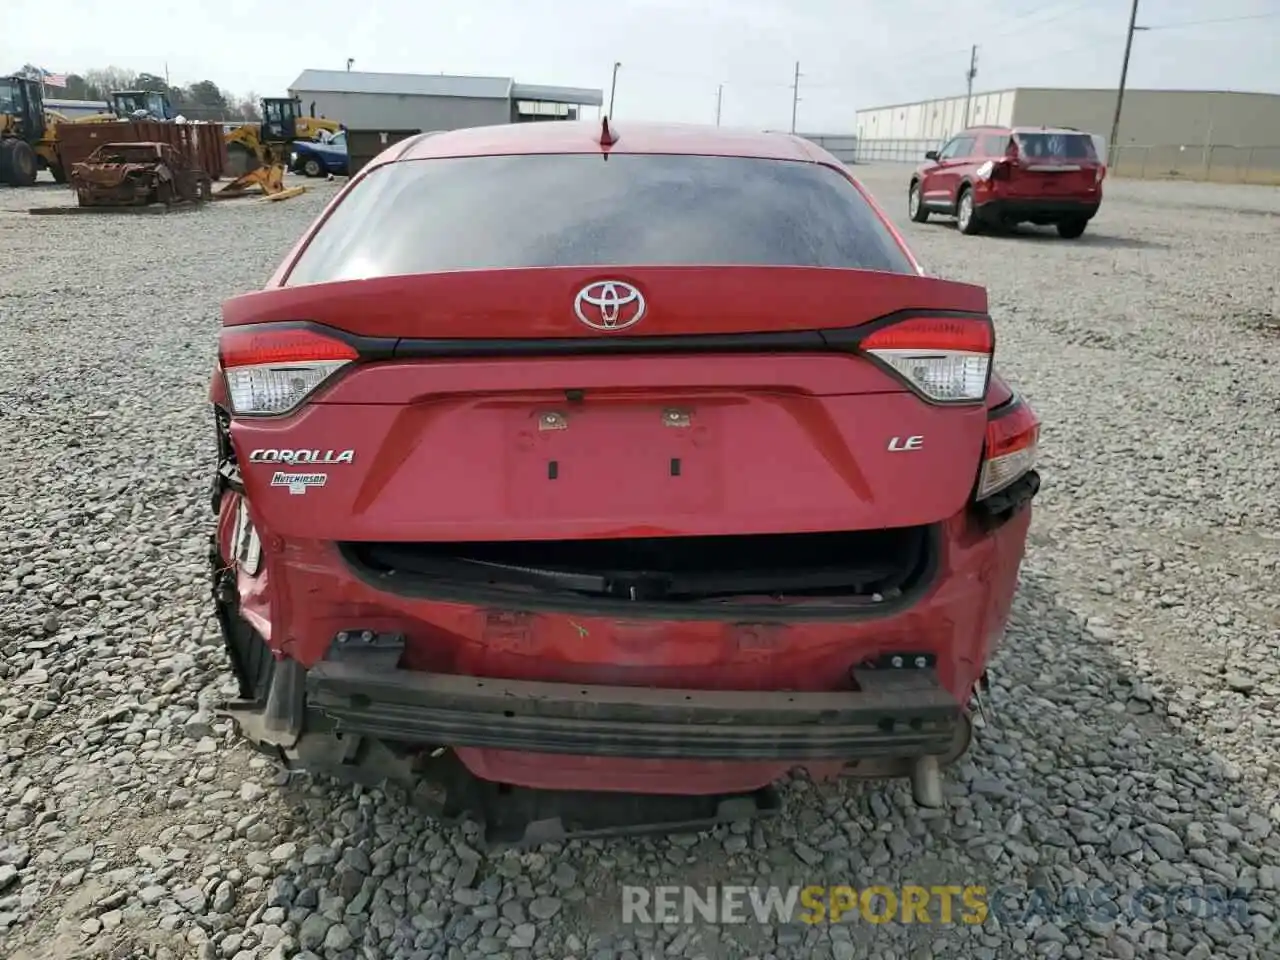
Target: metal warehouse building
x=404 y=101
x=1161 y=130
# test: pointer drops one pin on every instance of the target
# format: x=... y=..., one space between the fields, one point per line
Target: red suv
x=1001 y=176
x=612 y=462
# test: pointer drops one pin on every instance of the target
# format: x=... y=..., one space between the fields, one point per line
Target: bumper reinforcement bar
x=899 y=713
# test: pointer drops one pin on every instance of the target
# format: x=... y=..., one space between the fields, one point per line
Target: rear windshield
x=1059 y=146
x=487 y=213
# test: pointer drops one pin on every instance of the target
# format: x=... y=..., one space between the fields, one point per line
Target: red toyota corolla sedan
x=562 y=468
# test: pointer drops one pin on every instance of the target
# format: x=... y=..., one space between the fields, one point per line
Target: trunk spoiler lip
x=513 y=302
x=838 y=339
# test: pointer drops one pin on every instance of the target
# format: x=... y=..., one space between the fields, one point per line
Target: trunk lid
x=737 y=404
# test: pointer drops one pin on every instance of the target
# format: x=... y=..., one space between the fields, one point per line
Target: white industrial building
x=1150 y=118
x=408 y=101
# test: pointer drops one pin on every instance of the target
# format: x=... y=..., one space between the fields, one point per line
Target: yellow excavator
x=258 y=151
x=28 y=133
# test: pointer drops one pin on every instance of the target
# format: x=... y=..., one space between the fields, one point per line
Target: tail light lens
x=269 y=371
x=1010 y=449
x=945 y=359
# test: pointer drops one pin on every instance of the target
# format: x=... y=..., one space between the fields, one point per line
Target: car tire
x=1070 y=229
x=312 y=167
x=915 y=204
x=967 y=219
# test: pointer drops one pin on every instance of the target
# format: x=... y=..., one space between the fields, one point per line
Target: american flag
x=53 y=79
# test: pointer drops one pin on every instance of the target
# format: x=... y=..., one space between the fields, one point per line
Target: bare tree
x=247 y=107
x=108 y=79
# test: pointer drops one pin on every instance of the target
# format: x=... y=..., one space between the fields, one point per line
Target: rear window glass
x=1070 y=146
x=488 y=213
x=995 y=145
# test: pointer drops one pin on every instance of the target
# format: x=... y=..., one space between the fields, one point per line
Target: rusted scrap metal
x=269 y=180
x=137 y=175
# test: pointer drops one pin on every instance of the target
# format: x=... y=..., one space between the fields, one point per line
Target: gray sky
x=674 y=52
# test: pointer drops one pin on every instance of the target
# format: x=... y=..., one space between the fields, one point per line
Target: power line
x=938 y=69
x=1068 y=9
x=1204 y=23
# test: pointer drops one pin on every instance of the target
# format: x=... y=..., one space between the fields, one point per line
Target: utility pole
x=795 y=96
x=613 y=88
x=350 y=61
x=719 y=97
x=1124 y=75
x=973 y=72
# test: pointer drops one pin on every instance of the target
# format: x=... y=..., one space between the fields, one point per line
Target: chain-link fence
x=894 y=151
x=1218 y=162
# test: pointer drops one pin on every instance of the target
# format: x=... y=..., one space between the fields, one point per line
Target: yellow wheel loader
x=28 y=133
x=253 y=145
x=141 y=105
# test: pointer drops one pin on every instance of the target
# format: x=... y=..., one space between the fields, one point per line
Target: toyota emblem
x=609 y=305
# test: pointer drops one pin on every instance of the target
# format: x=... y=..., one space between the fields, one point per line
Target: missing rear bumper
x=360 y=719
x=1049 y=210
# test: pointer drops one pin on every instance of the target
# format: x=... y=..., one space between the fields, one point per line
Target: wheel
x=919 y=212
x=19 y=165
x=1070 y=229
x=966 y=217
x=24 y=163
x=312 y=167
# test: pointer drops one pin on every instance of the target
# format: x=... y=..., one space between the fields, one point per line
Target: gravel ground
x=1137 y=733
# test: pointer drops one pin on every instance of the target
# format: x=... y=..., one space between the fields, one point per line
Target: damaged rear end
x=628 y=528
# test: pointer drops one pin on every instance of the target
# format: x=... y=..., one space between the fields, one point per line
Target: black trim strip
x=789 y=341
x=783 y=341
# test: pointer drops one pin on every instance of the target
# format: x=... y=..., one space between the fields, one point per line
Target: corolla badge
x=302 y=456
x=609 y=305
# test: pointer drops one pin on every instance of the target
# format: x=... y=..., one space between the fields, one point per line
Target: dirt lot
x=1137 y=693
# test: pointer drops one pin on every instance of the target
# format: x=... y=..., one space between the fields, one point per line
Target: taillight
x=994 y=169
x=271 y=370
x=945 y=359
x=1010 y=447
